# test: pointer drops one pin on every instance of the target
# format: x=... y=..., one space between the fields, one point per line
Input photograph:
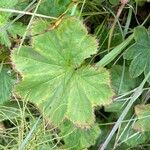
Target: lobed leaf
x=139 y=53
x=54 y=77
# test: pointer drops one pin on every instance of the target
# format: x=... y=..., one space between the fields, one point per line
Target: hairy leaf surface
x=76 y=138
x=139 y=52
x=54 y=77
x=6 y=83
x=53 y=7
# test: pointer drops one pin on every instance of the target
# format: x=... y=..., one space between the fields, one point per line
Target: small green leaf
x=4 y=16
x=114 y=2
x=23 y=4
x=16 y=28
x=7 y=29
x=143 y=115
x=53 y=7
x=4 y=54
x=12 y=30
x=6 y=83
x=4 y=39
x=139 y=52
x=77 y=138
x=54 y=78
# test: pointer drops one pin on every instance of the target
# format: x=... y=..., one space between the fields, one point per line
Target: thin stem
x=128 y=22
x=30 y=22
x=114 y=24
x=137 y=93
x=26 y=13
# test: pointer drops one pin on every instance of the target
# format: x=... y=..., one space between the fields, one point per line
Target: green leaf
x=4 y=16
x=53 y=7
x=114 y=2
x=4 y=39
x=143 y=115
x=4 y=54
x=22 y=4
x=11 y=30
x=6 y=83
x=131 y=137
x=121 y=80
x=116 y=106
x=139 y=52
x=7 y=29
x=54 y=77
x=136 y=138
x=77 y=138
x=121 y=83
x=16 y=29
